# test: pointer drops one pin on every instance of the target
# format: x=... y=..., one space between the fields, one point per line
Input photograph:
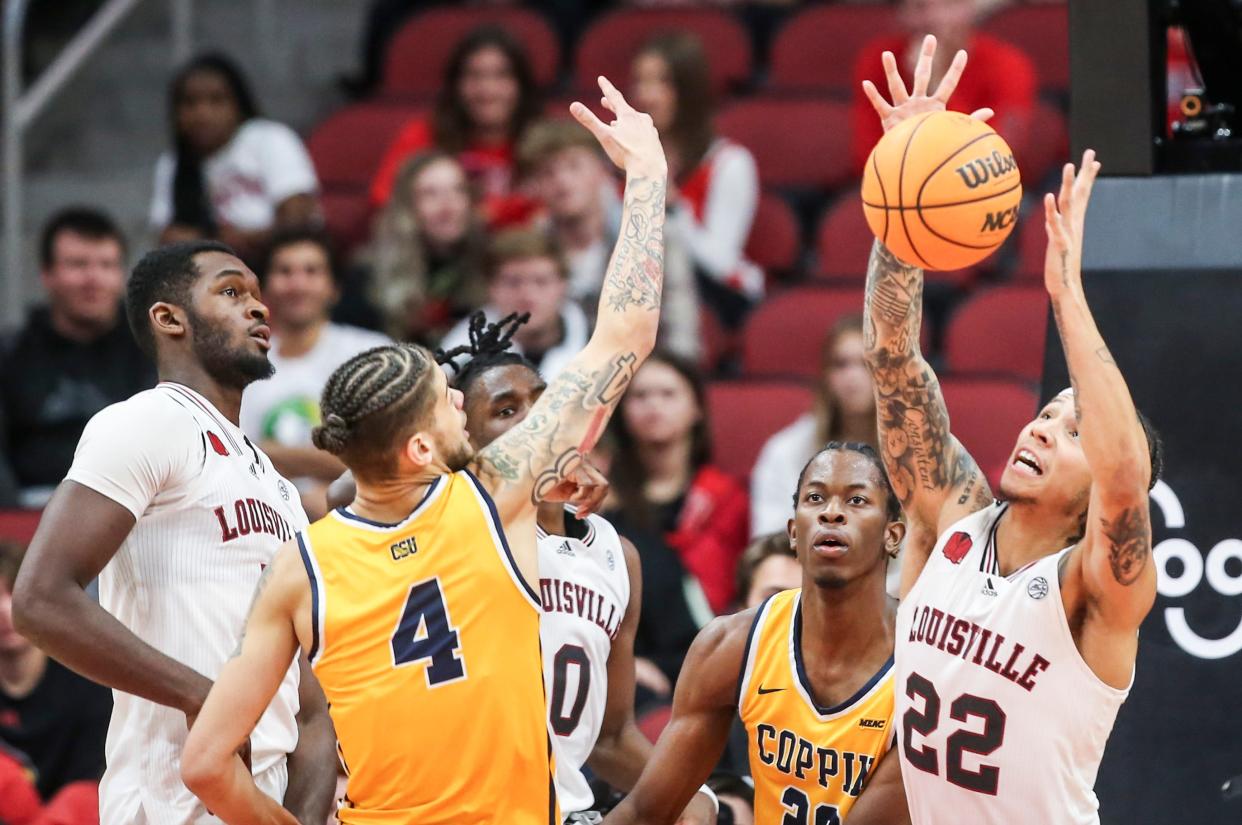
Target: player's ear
x=791 y=528
x=419 y=449
x=894 y=534
x=167 y=319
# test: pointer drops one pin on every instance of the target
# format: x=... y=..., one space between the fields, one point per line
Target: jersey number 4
x=426 y=634
x=926 y=758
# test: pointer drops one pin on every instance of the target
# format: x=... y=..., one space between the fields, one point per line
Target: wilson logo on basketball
x=981 y=170
x=996 y=221
x=956 y=548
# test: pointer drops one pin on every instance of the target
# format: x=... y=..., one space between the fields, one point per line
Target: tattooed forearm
x=894 y=295
x=635 y=276
x=1129 y=543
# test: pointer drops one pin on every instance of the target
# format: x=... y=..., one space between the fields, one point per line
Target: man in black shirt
x=73 y=357
x=53 y=716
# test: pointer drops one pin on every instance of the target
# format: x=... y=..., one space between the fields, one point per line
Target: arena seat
x=986 y=415
x=1042 y=31
x=19 y=525
x=347 y=147
x=1046 y=148
x=417 y=55
x=716 y=342
x=745 y=413
x=999 y=331
x=774 y=241
x=843 y=246
x=346 y=217
x=816 y=48
x=798 y=143
x=1032 y=244
x=653 y=721
x=783 y=336
x=609 y=44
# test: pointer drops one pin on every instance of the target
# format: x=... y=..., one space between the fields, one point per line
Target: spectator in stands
x=487 y=101
x=427 y=255
x=768 y=566
x=565 y=170
x=526 y=273
x=664 y=481
x=56 y=718
x=73 y=357
x=844 y=411
x=714 y=183
x=999 y=76
x=300 y=285
x=231 y=175
x=737 y=798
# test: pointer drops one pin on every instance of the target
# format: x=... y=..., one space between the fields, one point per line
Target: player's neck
x=227 y=400
x=1027 y=533
x=390 y=501
x=551 y=516
x=21 y=671
x=667 y=466
x=845 y=623
x=294 y=342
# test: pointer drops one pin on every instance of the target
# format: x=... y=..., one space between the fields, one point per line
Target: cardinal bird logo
x=216 y=443
x=956 y=548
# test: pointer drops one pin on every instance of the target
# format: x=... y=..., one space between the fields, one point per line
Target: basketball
x=941 y=190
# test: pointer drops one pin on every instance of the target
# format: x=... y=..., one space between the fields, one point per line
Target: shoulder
x=798 y=437
x=718 y=650
x=717 y=483
x=414 y=134
x=150 y=412
x=348 y=341
x=726 y=154
x=259 y=131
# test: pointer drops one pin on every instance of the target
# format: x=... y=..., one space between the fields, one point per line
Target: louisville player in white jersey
x=590 y=586
x=1017 y=636
x=177 y=513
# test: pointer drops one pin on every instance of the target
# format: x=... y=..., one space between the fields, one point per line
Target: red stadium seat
x=986 y=415
x=1047 y=147
x=347 y=147
x=744 y=414
x=999 y=331
x=608 y=46
x=716 y=341
x=1032 y=244
x=653 y=722
x=347 y=217
x=815 y=50
x=784 y=334
x=419 y=51
x=1042 y=31
x=19 y=525
x=774 y=236
x=798 y=143
x=843 y=243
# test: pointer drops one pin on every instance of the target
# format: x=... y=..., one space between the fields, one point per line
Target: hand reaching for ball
x=907 y=104
x=1065 y=215
x=630 y=140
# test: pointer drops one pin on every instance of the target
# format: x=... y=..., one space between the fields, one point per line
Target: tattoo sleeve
x=635 y=275
x=927 y=466
x=1129 y=543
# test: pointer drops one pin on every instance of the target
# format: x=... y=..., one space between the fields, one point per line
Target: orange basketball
x=941 y=190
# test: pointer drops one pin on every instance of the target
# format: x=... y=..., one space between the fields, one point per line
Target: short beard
x=231 y=367
x=460 y=458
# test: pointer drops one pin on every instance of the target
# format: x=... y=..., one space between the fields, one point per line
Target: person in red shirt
x=1000 y=76
x=664 y=481
x=487 y=100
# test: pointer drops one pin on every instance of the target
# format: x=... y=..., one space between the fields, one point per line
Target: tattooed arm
x=1113 y=559
x=529 y=461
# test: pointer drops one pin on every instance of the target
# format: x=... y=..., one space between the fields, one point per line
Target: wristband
x=710 y=794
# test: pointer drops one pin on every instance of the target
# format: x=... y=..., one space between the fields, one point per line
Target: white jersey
x=211 y=512
x=585 y=588
x=1001 y=719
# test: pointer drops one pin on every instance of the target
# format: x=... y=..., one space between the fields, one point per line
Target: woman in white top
x=713 y=182
x=231 y=175
x=844 y=411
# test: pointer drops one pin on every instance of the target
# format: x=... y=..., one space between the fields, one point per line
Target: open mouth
x=263 y=335
x=1026 y=461
x=832 y=546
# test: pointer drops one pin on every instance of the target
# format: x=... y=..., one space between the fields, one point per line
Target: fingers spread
x=985 y=114
x=896 y=86
x=923 y=68
x=877 y=100
x=588 y=119
x=948 y=83
x=616 y=101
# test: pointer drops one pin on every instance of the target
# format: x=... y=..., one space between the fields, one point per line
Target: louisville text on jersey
x=249 y=515
x=804 y=760
x=560 y=596
x=978 y=645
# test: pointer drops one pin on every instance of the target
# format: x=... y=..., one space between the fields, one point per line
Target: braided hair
x=370 y=402
x=490 y=345
x=892 y=505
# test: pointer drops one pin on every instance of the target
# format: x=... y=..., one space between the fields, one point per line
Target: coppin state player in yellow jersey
x=418 y=604
x=810 y=671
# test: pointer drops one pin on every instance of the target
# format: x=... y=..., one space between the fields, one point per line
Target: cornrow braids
x=892 y=504
x=370 y=401
x=491 y=345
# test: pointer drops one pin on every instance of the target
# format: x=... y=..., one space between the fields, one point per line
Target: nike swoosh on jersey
x=763 y=690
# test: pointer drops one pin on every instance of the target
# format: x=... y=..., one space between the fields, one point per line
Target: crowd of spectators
x=485 y=199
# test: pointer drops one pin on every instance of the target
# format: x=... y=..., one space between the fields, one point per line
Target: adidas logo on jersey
x=988 y=589
x=564 y=549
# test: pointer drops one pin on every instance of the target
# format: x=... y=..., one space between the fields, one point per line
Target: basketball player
x=417 y=604
x=177 y=513
x=809 y=670
x=1017 y=637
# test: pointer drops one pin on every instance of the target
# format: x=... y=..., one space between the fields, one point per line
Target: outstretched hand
x=1065 y=215
x=630 y=140
x=916 y=101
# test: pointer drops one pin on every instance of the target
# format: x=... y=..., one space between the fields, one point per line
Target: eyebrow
x=230 y=273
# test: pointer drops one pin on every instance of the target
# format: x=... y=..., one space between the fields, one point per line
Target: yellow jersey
x=809 y=762
x=425 y=638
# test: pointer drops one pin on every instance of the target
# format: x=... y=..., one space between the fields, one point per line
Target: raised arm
x=704 y=706
x=933 y=475
x=1114 y=556
x=209 y=765
x=530 y=461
